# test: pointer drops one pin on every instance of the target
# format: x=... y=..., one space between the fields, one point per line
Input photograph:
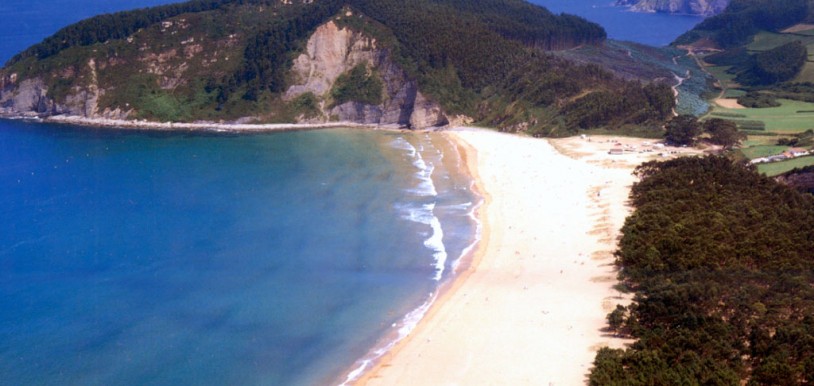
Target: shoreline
x=457 y=321
x=388 y=365
x=402 y=331
x=124 y=124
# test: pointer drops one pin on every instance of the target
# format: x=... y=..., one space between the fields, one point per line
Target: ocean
x=156 y=258
x=655 y=29
x=133 y=257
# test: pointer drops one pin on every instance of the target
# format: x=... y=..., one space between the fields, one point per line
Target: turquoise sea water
x=210 y=259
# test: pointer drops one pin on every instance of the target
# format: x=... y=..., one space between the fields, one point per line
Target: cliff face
x=331 y=52
x=31 y=97
x=688 y=7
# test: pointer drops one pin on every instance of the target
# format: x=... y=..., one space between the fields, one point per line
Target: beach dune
x=530 y=308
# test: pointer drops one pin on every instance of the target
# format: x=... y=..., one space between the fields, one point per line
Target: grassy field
x=719 y=72
x=759 y=151
x=767 y=125
x=776 y=168
x=734 y=93
x=789 y=118
x=807 y=73
x=767 y=40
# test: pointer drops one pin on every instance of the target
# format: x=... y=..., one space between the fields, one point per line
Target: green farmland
x=790 y=118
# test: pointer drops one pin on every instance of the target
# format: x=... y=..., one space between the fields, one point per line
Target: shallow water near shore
x=175 y=258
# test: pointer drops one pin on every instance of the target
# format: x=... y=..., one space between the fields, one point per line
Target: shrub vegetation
x=720 y=261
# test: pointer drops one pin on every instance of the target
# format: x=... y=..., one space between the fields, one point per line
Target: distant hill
x=764 y=45
x=743 y=19
x=417 y=64
x=684 y=7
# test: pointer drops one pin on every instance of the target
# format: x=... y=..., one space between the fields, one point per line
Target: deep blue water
x=171 y=258
x=147 y=258
x=655 y=29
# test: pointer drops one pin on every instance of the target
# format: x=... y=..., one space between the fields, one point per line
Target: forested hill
x=422 y=63
x=721 y=262
x=742 y=19
x=512 y=18
x=764 y=44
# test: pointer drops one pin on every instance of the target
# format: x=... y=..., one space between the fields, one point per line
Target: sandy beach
x=530 y=309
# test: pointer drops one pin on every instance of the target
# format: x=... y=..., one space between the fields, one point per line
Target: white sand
x=531 y=308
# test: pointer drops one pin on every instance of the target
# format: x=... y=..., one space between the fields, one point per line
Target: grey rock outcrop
x=332 y=51
x=29 y=97
x=687 y=7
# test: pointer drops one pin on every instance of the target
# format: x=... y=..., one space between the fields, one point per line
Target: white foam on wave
x=436 y=243
x=472 y=214
x=425 y=188
x=407 y=325
x=423 y=213
x=401 y=143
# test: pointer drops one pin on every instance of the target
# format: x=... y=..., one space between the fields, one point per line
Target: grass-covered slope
x=762 y=43
x=720 y=261
x=742 y=19
x=227 y=59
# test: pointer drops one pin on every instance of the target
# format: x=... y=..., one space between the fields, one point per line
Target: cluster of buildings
x=788 y=154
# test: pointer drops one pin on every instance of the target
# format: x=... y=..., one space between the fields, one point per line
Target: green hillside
x=229 y=59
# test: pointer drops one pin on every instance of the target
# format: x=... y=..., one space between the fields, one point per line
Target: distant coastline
x=193 y=126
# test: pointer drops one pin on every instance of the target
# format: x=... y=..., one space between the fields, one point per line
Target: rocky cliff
x=687 y=7
x=387 y=62
x=333 y=51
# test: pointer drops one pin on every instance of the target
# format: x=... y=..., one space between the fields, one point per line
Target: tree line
x=719 y=259
x=779 y=64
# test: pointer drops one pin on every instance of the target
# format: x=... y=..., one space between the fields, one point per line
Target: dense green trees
x=682 y=130
x=723 y=132
x=632 y=104
x=685 y=130
x=267 y=56
x=358 y=85
x=756 y=99
x=779 y=64
x=102 y=28
x=720 y=261
x=482 y=58
x=772 y=66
